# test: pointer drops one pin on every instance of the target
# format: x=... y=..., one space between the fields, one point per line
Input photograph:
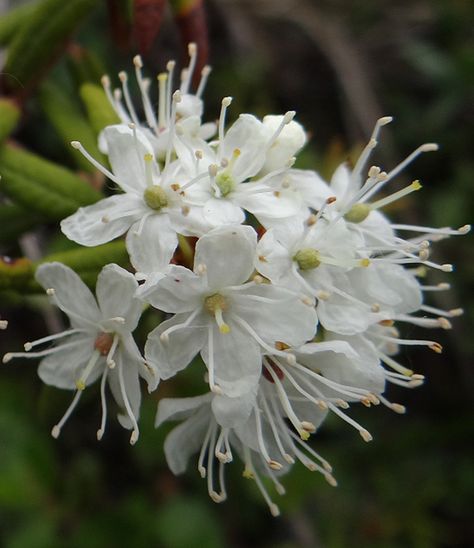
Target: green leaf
x=71 y=125
x=9 y=116
x=41 y=37
x=13 y=20
x=99 y=110
x=90 y=259
x=15 y=273
x=42 y=186
x=15 y=220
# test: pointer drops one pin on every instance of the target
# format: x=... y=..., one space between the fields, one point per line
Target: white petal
x=146 y=370
x=71 y=294
x=230 y=412
x=115 y=292
x=261 y=200
x=131 y=384
x=236 y=359
x=247 y=135
x=101 y=222
x=282 y=317
x=222 y=211
x=291 y=139
x=228 y=254
x=182 y=345
x=152 y=249
x=179 y=291
x=340 y=181
x=177 y=409
x=185 y=440
x=64 y=367
x=126 y=155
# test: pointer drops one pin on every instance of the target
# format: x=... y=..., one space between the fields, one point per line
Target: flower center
x=357 y=213
x=155 y=197
x=225 y=183
x=215 y=305
x=103 y=343
x=307 y=258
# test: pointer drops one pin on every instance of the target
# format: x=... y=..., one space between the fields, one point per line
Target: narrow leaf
x=46 y=174
x=99 y=110
x=41 y=39
x=71 y=125
x=15 y=220
x=9 y=116
x=13 y=20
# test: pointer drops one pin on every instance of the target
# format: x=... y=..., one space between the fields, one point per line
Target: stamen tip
x=50 y=291
x=134 y=437
x=76 y=145
x=3 y=324
x=55 y=432
x=366 y=435
x=464 y=229
x=447 y=267
x=137 y=61
x=7 y=357
x=429 y=147
x=384 y=120
x=288 y=117
x=331 y=480
x=27 y=346
x=398 y=408
x=100 y=433
x=274 y=510
x=226 y=101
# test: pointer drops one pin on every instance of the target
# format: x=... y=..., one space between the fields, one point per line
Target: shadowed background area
x=340 y=65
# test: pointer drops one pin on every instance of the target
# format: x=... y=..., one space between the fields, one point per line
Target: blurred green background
x=340 y=65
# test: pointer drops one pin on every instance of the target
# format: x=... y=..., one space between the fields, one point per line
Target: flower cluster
x=288 y=287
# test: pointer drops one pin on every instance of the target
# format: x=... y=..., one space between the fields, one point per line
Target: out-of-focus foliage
x=340 y=65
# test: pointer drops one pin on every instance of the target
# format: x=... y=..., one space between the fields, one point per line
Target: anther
x=3 y=324
x=366 y=435
x=50 y=291
x=137 y=61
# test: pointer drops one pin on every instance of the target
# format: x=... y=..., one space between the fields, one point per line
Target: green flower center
x=357 y=213
x=155 y=197
x=307 y=258
x=215 y=302
x=225 y=183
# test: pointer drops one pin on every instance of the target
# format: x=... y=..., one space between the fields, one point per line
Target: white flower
x=150 y=210
x=316 y=257
x=98 y=344
x=222 y=315
x=159 y=125
x=223 y=169
x=264 y=442
x=288 y=141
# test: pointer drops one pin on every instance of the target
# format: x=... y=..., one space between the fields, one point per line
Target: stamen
x=103 y=401
x=204 y=77
x=287 y=118
x=3 y=324
x=415 y=185
x=210 y=366
x=149 y=114
x=274 y=510
x=192 y=52
x=170 y=68
x=362 y=160
x=123 y=77
x=78 y=146
x=29 y=345
x=201 y=468
x=162 y=79
x=273 y=464
x=224 y=105
x=81 y=382
x=135 y=431
x=10 y=355
x=56 y=430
